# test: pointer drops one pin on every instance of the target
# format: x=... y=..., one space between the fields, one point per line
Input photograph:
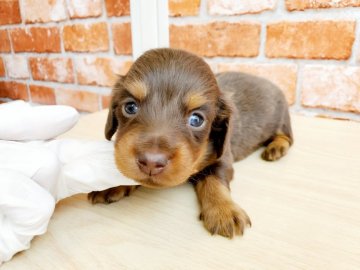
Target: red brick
x=105 y=101
x=42 y=94
x=9 y=12
x=331 y=87
x=52 y=69
x=282 y=75
x=310 y=4
x=35 y=39
x=4 y=41
x=17 y=66
x=100 y=71
x=311 y=39
x=2 y=68
x=184 y=7
x=217 y=39
x=86 y=37
x=81 y=100
x=44 y=11
x=117 y=7
x=13 y=90
x=122 y=38
x=85 y=8
x=236 y=7
x=176 y=7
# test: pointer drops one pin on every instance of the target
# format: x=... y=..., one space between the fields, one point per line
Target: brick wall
x=67 y=51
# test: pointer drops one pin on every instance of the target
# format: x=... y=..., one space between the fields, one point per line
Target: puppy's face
x=166 y=112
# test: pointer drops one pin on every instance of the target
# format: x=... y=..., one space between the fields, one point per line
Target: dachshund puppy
x=176 y=122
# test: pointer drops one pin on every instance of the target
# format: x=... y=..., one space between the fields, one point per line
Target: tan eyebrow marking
x=137 y=88
x=195 y=101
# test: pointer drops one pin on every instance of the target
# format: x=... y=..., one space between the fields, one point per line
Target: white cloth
x=86 y=166
x=34 y=175
x=25 y=210
x=19 y=121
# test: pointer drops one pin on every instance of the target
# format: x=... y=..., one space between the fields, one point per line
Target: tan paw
x=277 y=148
x=274 y=151
x=226 y=219
x=111 y=195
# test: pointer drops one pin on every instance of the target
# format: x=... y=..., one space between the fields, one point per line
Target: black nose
x=152 y=163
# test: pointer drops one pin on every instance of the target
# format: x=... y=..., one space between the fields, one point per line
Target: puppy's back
x=250 y=92
x=261 y=111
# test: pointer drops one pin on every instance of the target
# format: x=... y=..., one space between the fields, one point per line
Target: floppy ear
x=221 y=126
x=112 y=123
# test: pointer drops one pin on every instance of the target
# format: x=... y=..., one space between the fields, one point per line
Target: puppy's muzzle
x=152 y=163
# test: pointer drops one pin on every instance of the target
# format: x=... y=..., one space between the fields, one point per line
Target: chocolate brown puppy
x=175 y=121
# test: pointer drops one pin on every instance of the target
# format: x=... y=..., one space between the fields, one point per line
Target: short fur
x=242 y=112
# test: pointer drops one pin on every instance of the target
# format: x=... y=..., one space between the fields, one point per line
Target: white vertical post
x=149 y=25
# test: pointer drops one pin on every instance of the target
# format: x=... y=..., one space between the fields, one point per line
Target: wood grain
x=305 y=211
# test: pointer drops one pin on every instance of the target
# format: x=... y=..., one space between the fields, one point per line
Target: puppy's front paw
x=226 y=219
x=111 y=195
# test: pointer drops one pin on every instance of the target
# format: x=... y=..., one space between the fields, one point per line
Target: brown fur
x=241 y=112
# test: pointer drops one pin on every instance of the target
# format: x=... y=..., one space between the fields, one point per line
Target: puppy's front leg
x=111 y=195
x=218 y=211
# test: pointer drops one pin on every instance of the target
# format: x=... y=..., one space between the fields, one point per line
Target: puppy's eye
x=130 y=108
x=196 y=120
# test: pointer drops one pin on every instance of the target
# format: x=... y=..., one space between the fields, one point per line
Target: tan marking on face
x=204 y=157
x=178 y=170
x=195 y=100
x=125 y=156
x=137 y=88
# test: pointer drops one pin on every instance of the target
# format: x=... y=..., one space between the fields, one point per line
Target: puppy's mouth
x=150 y=182
x=158 y=181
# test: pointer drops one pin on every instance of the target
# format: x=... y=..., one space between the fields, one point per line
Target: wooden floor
x=305 y=211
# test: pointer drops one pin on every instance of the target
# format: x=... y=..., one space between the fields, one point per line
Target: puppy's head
x=170 y=118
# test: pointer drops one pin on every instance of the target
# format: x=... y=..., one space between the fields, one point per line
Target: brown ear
x=112 y=123
x=221 y=126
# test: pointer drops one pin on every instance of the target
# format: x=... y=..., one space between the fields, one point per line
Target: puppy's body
x=176 y=122
x=261 y=112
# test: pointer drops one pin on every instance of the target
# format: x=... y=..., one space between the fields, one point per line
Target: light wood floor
x=305 y=211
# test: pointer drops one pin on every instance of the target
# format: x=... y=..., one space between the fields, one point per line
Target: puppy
x=176 y=122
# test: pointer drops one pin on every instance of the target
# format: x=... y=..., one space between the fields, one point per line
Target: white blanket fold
x=36 y=174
